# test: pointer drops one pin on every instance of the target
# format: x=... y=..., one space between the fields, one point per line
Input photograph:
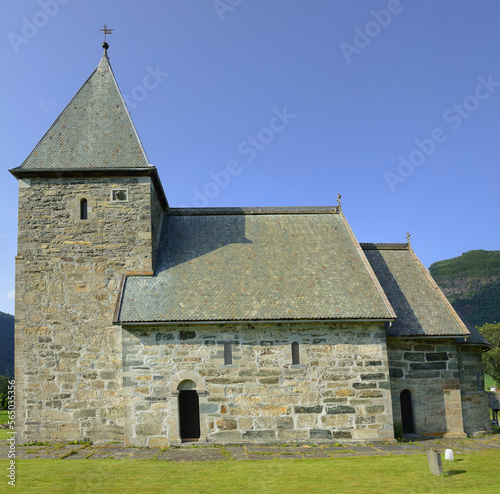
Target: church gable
x=421 y=308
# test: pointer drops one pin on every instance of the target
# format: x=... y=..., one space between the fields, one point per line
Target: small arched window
x=228 y=354
x=295 y=353
x=83 y=209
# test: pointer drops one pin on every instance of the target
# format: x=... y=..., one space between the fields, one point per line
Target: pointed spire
x=93 y=131
x=104 y=65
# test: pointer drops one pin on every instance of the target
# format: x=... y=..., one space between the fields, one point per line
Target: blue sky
x=393 y=104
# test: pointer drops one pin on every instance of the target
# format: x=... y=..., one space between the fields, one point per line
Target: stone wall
x=157 y=215
x=429 y=370
x=475 y=408
x=68 y=353
x=339 y=391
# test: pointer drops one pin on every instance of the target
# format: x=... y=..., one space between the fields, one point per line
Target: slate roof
x=94 y=131
x=475 y=338
x=253 y=265
x=420 y=306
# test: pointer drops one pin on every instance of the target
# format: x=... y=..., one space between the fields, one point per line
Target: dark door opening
x=189 y=415
x=406 y=412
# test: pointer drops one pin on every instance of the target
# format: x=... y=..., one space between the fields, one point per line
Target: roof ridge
x=368 y=267
x=384 y=246
x=251 y=211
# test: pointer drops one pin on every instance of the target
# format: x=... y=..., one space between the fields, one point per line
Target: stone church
x=154 y=325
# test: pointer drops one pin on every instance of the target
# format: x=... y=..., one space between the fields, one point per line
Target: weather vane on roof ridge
x=106 y=30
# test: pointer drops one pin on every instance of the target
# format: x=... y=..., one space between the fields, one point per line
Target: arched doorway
x=189 y=411
x=406 y=412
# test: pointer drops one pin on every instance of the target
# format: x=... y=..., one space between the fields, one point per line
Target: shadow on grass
x=455 y=472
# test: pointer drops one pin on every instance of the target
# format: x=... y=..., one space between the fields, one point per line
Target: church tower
x=90 y=211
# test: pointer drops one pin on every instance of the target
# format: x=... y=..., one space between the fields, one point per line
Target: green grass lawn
x=4 y=432
x=471 y=473
x=489 y=382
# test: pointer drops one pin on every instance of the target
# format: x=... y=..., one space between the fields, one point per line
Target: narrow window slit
x=295 y=353
x=228 y=354
x=83 y=209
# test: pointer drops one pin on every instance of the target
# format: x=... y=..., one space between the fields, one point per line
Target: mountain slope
x=472 y=284
x=6 y=345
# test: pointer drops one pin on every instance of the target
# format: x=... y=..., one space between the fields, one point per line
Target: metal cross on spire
x=106 y=30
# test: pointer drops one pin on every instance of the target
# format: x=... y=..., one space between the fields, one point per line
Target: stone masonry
x=68 y=353
x=340 y=389
x=475 y=408
x=429 y=370
x=153 y=325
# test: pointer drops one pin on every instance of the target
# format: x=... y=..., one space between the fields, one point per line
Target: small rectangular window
x=295 y=353
x=228 y=354
x=119 y=195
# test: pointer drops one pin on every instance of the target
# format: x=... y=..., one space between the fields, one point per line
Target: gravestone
x=435 y=465
x=494 y=399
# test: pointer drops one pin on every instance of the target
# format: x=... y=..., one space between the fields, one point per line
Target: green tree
x=491 y=358
x=4 y=382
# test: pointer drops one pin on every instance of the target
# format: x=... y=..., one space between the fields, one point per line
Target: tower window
x=83 y=209
x=295 y=353
x=228 y=354
x=119 y=195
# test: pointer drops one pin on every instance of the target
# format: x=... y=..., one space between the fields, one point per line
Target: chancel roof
x=255 y=265
x=94 y=131
x=421 y=307
x=475 y=338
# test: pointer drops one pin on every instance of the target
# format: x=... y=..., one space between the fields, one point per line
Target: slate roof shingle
x=420 y=306
x=475 y=338
x=94 y=131
x=255 y=264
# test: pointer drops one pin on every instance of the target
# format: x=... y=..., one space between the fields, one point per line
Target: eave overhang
x=150 y=171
